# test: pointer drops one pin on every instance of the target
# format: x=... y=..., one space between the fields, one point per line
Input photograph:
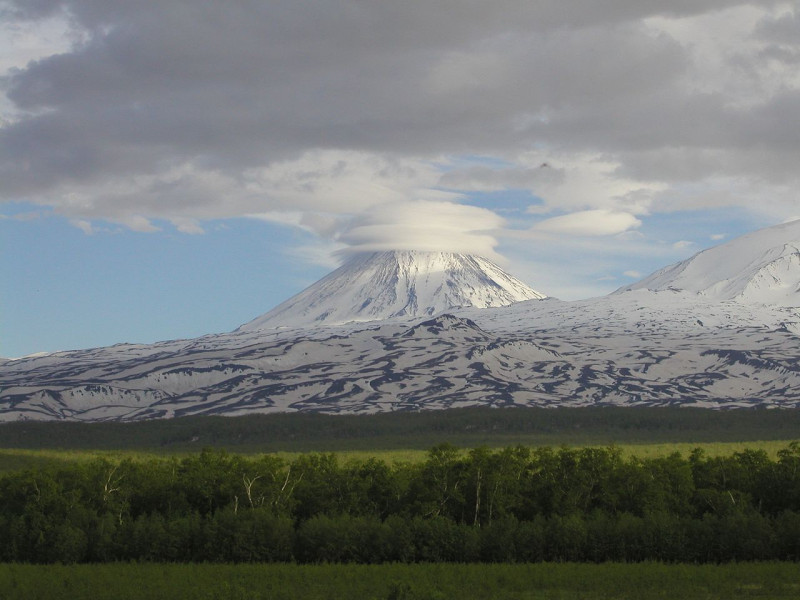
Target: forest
x=514 y=504
x=467 y=427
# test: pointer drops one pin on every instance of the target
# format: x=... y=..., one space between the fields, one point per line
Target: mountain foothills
x=414 y=330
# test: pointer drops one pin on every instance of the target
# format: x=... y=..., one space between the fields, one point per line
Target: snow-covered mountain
x=624 y=350
x=385 y=285
x=721 y=329
x=760 y=267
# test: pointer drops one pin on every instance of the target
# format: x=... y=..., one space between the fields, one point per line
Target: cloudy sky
x=175 y=168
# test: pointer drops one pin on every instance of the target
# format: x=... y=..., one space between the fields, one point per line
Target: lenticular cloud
x=590 y=222
x=424 y=225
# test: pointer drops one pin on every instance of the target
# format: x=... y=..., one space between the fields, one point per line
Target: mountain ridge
x=762 y=266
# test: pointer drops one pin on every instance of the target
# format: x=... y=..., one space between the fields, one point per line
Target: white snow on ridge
x=397 y=284
x=643 y=348
x=33 y=355
x=760 y=267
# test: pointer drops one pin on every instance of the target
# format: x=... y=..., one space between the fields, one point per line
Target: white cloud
x=717 y=236
x=682 y=244
x=590 y=181
x=190 y=226
x=137 y=223
x=324 y=225
x=321 y=254
x=424 y=225
x=632 y=274
x=83 y=225
x=22 y=42
x=589 y=223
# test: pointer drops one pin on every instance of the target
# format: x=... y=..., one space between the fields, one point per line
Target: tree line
x=511 y=505
x=468 y=427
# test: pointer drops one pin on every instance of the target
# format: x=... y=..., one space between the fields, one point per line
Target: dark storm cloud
x=214 y=94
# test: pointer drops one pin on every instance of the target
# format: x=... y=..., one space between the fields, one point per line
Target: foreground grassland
x=564 y=581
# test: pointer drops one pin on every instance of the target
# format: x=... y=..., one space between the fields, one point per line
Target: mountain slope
x=386 y=285
x=637 y=349
x=761 y=267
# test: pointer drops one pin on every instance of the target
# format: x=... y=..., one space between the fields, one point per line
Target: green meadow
x=544 y=581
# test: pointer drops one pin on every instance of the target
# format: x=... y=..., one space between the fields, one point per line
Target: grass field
x=13 y=459
x=564 y=581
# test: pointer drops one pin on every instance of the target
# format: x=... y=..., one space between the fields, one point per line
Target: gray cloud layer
x=188 y=111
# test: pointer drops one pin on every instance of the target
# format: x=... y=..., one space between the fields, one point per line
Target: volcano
x=397 y=284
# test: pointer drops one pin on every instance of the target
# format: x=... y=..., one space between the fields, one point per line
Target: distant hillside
x=468 y=427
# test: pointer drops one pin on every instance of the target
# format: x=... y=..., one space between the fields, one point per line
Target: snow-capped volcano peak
x=761 y=267
x=390 y=284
